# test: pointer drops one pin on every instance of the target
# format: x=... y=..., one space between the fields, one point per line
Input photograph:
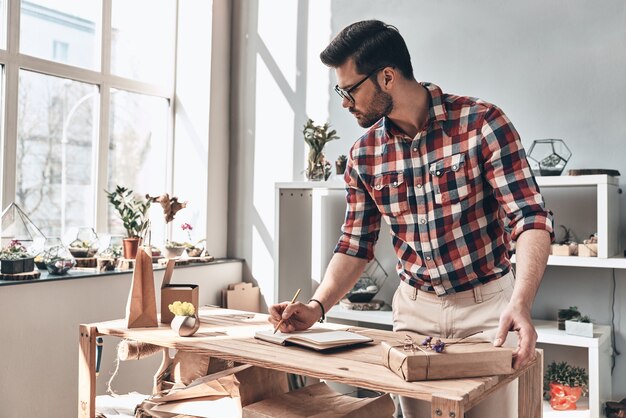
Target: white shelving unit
x=598 y=356
x=297 y=222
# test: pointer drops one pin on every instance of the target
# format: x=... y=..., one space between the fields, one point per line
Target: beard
x=381 y=105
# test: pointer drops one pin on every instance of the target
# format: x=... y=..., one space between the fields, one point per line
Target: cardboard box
x=241 y=296
x=458 y=360
x=170 y=293
x=319 y=401
x=588 y=250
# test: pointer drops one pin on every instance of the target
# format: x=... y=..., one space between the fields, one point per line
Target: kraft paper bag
x=141 y=309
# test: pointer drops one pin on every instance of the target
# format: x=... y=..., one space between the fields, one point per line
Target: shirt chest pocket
x=389 y=191
x=449 y=179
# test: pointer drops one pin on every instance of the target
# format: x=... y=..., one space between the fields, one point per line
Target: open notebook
x=316 y=338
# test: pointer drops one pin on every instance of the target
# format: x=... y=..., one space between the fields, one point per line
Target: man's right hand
x=296 y=316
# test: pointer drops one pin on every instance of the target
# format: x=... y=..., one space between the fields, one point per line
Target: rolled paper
x=135 y=350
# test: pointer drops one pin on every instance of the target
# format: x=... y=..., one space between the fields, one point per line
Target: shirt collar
x=436 y=112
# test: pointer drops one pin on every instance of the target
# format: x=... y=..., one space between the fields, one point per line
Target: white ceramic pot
x=185 y=326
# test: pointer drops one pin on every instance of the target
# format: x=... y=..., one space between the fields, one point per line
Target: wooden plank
x=444 y=405
x=87 y=371
x=531 y=389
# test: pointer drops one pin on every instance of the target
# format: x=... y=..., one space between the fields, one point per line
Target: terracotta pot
x=563 y=397
x=130 y=247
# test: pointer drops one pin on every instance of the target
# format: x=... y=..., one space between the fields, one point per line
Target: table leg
x=530 y=390
x=87 y=372
x=443 y=406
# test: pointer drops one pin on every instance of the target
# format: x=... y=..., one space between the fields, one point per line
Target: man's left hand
x=517 y=318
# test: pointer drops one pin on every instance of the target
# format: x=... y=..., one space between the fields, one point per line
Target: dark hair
x=372 y=44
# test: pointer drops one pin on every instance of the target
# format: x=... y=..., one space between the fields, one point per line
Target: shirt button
x=419 y=186
x=428 y=258
x=454 y=167
x=415 y=149
x=438 y=173
x=423 y=220
x=395 y=184
x=378 y=186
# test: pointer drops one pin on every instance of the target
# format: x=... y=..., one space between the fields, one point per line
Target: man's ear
x=389 y=77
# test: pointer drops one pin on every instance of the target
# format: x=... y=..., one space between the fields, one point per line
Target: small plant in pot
x=566 y=385
x=15 y=259
x=193 y=250
x=580 y=325
x=566 y=315
x=134 y=215
x=186 y=321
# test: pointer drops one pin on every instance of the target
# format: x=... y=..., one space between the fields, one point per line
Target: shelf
x=582 y=410
x=575 y=261
x=548 y=333
x=330 y=184
x=573 y=181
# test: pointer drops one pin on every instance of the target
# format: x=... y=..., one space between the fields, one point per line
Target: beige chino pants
x=456 y=316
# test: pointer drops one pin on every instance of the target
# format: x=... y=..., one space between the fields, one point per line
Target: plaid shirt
x=445 y=194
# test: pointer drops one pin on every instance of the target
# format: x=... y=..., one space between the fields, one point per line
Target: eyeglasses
x=345 y=94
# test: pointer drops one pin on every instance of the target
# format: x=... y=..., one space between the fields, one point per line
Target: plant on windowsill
x=566 y=385
x=15 y=259
x=134 y=215
x=316 y=136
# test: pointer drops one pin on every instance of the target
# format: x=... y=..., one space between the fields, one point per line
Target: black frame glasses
x=345 y=94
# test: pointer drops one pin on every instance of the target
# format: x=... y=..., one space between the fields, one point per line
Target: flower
x=179 y=308
x=187 y=227
x=14 y=251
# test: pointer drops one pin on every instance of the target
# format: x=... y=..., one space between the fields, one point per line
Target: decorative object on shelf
x=316 y=136
x=589 y=247
x=15 y=259
x=581 y=326
x=568 y=314
x=186 y=321
x=369 y=284
x=170 y=205
x=110 y=252
x=134 y=215
x=193 y=250
x=593 y=171
x=372 y=305
x=550 y=156
x=567 y=246
x=56 y=257
x=566 y=385
x=16 y=225
x=174 y=249
x=83 y=242
x=340 y=164
x=615 y=409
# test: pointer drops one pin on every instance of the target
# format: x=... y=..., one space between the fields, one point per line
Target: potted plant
x=567 y=384
x=316 y=136
x=174 y=249
x=15 y=259
x=186 y=321
x=581 y=326
x=566 y=315
x=340 y=164
x=193 y=250
x=134 y=215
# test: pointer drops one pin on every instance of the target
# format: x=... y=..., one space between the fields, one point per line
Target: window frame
x=13 y=62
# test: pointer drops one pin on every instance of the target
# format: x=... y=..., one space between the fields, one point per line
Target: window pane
x=63 y=31
x=138 y=152
x=56 y=135
x=142 y=40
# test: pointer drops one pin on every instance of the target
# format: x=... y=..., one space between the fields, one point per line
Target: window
x=86 y=112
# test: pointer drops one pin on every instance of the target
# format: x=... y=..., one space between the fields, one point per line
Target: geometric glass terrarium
x=82 y=242
x=369 y=284
x=549 y=156
x=16 y=225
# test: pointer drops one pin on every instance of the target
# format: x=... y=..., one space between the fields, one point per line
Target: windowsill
x=84 y=273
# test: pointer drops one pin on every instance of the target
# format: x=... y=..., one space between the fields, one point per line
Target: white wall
x=556 y=68
x=39 y=328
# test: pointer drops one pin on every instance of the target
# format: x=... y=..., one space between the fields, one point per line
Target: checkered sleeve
x=360 y=229
x=507 y=171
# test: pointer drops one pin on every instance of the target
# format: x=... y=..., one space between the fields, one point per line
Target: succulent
x=132 y=212
x=565 y=374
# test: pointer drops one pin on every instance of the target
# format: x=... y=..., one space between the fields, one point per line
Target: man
x=450 y=176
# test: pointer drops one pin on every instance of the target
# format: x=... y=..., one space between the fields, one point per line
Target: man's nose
x=346 y=103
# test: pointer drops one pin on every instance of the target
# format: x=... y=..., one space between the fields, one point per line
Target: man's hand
x=517 y=318
x=296 y=316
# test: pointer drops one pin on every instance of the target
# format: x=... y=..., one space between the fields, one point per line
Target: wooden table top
x=229 y=335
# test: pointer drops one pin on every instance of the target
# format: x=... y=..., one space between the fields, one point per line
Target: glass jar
x=56 y=257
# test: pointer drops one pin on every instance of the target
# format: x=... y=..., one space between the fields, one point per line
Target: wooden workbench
x=228 y=335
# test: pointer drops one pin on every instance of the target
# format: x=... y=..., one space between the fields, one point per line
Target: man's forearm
x=531 y=253
x=342 y=273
